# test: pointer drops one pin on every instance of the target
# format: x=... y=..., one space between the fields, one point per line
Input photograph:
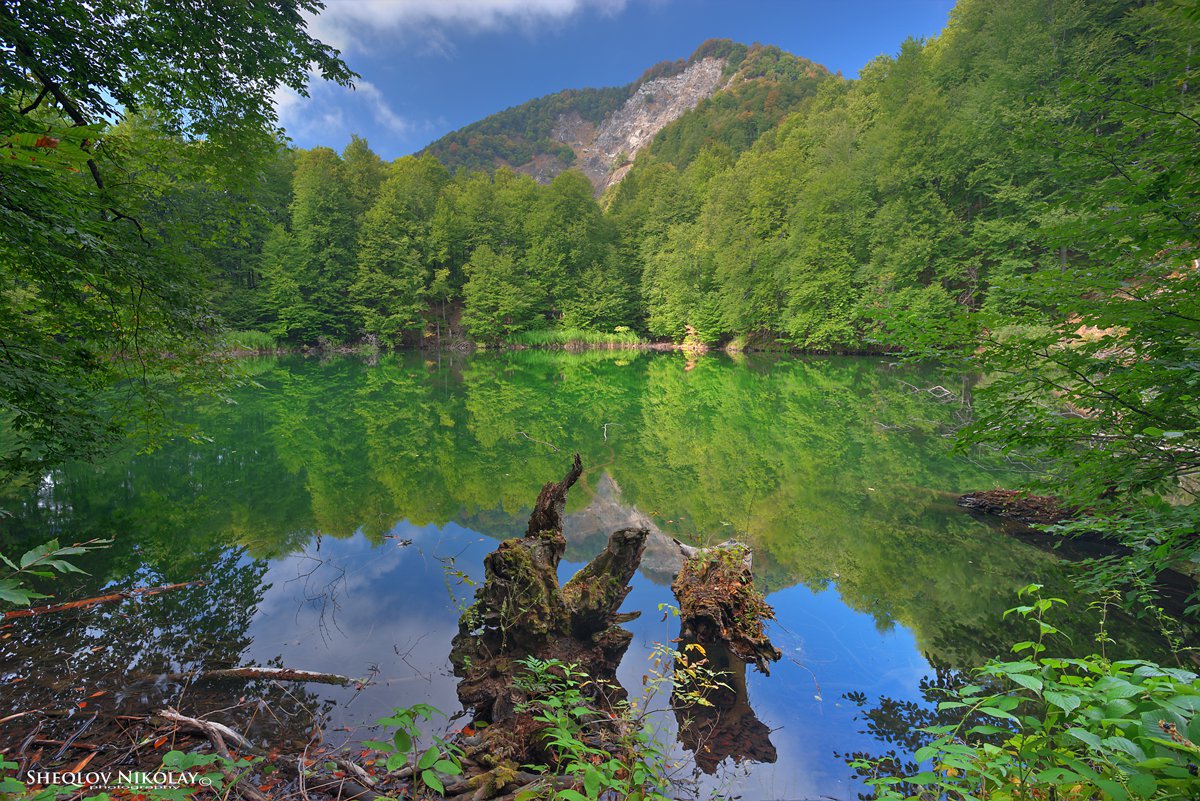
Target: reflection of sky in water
x=352 y=606
x=800 y=456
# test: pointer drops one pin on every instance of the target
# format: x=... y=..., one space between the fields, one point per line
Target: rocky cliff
x=605 y=152
x=724 y=94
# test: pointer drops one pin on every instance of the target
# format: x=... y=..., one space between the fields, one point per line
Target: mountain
x=724 y=92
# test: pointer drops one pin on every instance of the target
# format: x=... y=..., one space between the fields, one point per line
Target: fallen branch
x=539 y=442
x=78 y=746
x=33 y=611
x=278 y=674
x=360 y=775
x=218 y=733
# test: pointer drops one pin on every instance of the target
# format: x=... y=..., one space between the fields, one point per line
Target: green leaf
x=1086 y=736
x=432 y=781
x=591 y=782
x=396 y=760
x=1125 y=745
x=34 y=554
x=571 y=795
x=1064 y=701
x=1142 y=785
x=447 y=767
x=12 y=592
x=997 y=713
x=403 y=741
x=428 y=758
x=1112 y=687
x=63 y=566
x=1028 y=682
x=1188 y=705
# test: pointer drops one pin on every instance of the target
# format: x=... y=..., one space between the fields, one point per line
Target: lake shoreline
x=464 y=346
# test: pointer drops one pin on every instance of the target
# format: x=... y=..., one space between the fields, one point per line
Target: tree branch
x=64 y=100
x=37 y=102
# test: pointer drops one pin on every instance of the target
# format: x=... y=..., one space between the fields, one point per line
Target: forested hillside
x=756 y=86
x=1022 y=169
x=1024 y=138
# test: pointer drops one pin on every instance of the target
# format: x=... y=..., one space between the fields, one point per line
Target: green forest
x=1016 y=199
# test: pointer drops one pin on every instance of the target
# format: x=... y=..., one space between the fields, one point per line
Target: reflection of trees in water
x=120 y=659
x=804 y=458
x=897 y=725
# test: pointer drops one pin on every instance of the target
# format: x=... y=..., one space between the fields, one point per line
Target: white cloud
x=428 y=26
x=381 y=111
x=348 y=24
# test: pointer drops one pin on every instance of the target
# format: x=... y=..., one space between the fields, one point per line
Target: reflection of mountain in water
x=832 y=469
x=587 y=531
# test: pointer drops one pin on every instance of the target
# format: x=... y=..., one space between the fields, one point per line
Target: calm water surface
x=338 y=511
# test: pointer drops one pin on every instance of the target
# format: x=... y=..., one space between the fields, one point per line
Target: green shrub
x=249 y=340
x=564 y=337
x=1069 y=729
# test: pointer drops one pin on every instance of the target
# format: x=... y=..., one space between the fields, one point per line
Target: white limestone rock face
x=605 y=152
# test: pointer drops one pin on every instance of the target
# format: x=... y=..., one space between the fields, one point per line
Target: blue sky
x=431 y=66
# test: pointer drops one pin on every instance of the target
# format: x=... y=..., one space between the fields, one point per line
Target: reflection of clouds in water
x=393 y=612
x=843 y=649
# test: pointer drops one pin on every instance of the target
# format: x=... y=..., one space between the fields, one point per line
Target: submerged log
x=521 y=611
x=1035 y=510
x=112 y=597
x=719 y=604
x=276 y=674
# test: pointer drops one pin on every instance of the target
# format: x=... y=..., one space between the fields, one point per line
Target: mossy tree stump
x=521 y=611
x=722 y=612
x=719 y=604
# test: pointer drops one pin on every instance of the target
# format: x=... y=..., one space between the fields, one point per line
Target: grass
x=249 y=340
x=562 y=337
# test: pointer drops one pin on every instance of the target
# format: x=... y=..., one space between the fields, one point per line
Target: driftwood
x=521 y=611
x=1037 y=510
x=218 y=733
x=278 y=674
x=112 y=597
x=718 y=603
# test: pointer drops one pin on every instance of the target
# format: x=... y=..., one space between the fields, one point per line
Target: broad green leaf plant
x=1069 y=729
x=45 y=561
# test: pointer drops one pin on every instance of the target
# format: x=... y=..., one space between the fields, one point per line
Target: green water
x=330 y=504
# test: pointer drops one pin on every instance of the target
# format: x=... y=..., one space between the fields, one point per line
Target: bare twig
x=538 y=441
